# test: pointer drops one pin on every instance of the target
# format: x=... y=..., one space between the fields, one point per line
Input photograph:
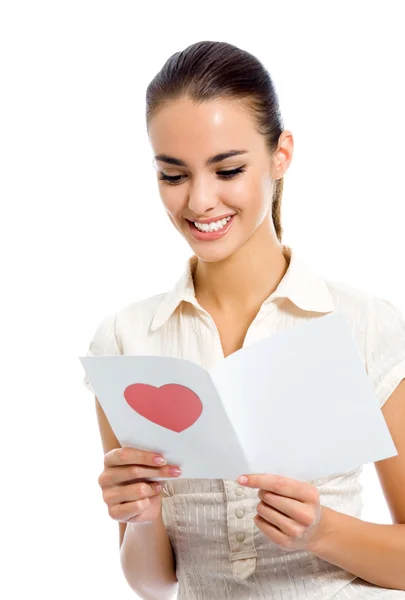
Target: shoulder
x=139 y=314
x=125 y=331
x=133 y=326
x=385 y=346
x=129 y=322
x=348 y=298
x=378 y=327
x=353 y=303
x=376 y=312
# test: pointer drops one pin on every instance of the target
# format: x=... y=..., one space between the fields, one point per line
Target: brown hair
x=208 y=70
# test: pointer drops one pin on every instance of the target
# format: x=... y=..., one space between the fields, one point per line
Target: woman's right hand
x=130 y=497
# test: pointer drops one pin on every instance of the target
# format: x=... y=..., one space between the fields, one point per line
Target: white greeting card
x=298 y=403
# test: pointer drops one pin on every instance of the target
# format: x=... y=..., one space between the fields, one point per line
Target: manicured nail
x=159 y=460
x=175 y=471
x=243 y=479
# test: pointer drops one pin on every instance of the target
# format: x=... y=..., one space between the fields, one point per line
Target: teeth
x=212 y=226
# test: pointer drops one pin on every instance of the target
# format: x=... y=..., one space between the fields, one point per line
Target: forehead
x=182 y=128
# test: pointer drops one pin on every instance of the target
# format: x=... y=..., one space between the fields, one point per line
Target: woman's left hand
x=289 y=513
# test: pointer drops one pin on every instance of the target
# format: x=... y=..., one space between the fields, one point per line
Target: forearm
x=375 y=552
x=147 y=561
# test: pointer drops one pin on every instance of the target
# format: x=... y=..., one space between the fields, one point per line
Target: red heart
x=172 y=406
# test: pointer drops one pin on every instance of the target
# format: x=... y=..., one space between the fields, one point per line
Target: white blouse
x=220 y=553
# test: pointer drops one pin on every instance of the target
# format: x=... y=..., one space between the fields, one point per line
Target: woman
x=221 y=153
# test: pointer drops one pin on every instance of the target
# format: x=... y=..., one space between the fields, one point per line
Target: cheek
x=255 y=204
x=251 y=195
x=236 y=193
x=176 y=222
x=172 y=203
x=262 y=198
x=174 y=211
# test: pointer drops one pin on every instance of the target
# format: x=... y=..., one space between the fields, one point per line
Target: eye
x=176 y=179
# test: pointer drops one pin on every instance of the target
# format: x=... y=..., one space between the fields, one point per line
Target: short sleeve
x=104 y=342
x=385 y=347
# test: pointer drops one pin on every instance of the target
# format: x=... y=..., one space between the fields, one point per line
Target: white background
x=84 y=231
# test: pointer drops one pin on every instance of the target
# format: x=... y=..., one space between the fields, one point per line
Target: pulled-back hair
x=214 y=70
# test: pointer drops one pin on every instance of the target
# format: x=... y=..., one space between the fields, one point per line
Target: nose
x=201 y=198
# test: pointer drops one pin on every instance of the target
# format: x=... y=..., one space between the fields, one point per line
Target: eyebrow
x=210 y=161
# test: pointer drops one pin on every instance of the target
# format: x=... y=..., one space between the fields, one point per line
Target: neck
x=243 y=280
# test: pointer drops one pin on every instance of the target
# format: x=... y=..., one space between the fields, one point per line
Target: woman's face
x=200 y=191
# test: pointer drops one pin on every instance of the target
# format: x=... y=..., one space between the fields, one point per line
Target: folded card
x=298 y=403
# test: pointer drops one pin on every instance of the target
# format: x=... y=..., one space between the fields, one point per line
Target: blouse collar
x=305 y=288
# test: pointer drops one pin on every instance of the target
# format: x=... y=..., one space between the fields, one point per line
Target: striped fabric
x=220 y=553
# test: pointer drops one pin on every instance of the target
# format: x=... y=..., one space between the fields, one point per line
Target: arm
x=147 y=561
x=146 y=554
x=375 y=552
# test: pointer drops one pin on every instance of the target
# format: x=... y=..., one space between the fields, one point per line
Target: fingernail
x=159 y=460
x=175 y=471
x=158 y=487
x=243 y=479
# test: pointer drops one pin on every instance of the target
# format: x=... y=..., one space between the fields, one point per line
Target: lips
x=208 y=236
x=208 y=221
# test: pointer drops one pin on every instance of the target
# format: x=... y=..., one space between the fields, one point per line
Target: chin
x=210 y=254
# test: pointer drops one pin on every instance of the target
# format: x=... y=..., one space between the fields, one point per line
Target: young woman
x=221 y=153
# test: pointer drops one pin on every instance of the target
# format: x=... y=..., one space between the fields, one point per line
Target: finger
x=123 y=512
x=295 y=509
x=130 y=493
x=288 y=526
x=300 y=490
x=126 y=456
x=129 y=474
x=272 y=532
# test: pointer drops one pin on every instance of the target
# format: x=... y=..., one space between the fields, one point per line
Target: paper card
x=298 y=403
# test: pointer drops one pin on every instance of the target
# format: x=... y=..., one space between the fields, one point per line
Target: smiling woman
x=220 y=154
